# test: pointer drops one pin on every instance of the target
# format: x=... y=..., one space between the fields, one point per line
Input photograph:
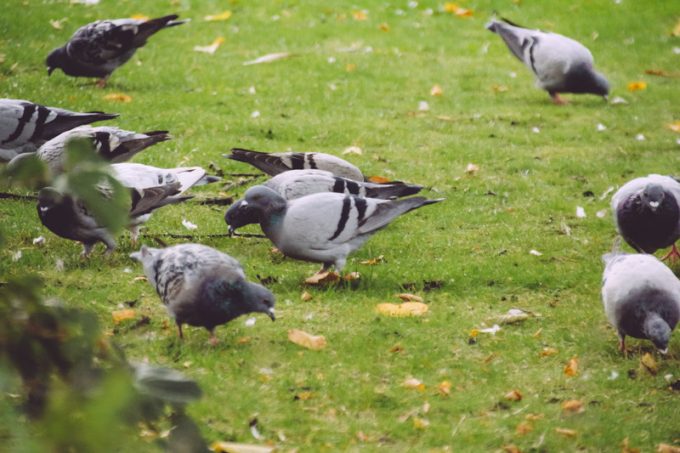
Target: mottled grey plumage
x=560 y=64
x=275 y=163
x=24 y=125
x=647 y=212
x=298 y=183
x=641 y=298
x=111 y=143
x=324 y=227
x=201 y=286
x=98 y=48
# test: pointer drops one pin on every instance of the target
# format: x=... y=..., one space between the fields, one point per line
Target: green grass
x=477 y=242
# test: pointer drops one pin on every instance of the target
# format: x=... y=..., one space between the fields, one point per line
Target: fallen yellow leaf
x=402 y=310
x=444 y=388
x=118 y=97
x=566 y=432
x=674 y=126
x=306 y=340
x=350 y=67
x=676 y=29
x=57 y=24
x=524 y=428
x=626 y=448
x=226 y=15
x=534 y=417
x=321 y=278
x=637 y=86
x=514 y=395
x=548 y=351
x=665 y=448
x=574 y=406
x=571 y=368
x=649 y=363
x=304 y=396
x=384 y=27
x=360 y=15
x=499 y=88
x=122 y=315
x=212 y=48
x=374 y=261
x=306 y=297
x=243 y=340
x=457 y=10
x=139 y=16
x=420 y=423
x=436 y=90
x=378 y=179
x=511 y=448
x=406 y=297
x=414 y=384
x=232 y=447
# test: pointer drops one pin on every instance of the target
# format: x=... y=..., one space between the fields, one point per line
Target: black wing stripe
x=43 y=113
x=344 y=215
x=339 y=186
x=532 y=46
x=312 y=163
x=361 y=205
x=297 y=161
x=28 y=113
x=353 y=187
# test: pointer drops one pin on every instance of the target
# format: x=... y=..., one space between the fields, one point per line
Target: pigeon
x=202 y=287
x=324 y=227
x=298 y=183
x=150 y=188
x=560 y=64
x=641 y=298
x=99 y=48
x=647 y=215
x=24 y=126
x=276 y=163
x=111 y=143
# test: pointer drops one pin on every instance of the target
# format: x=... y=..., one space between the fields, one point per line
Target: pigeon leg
x=179 y=330
x=87 y=249
x=134 y=235
x=101 y=83
x=557 y=99
x=213 y=339
x=673 y=256
x=622 y=345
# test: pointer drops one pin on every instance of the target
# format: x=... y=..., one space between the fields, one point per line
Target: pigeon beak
x=653 y=205
x=271 y=314
x=244 y=203
x=50 y=70
x=664 y=351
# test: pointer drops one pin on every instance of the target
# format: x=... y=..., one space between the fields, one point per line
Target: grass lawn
x=355 y=78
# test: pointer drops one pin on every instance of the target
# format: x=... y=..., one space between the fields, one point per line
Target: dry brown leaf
x=548 y=351
x=402 y=310
x=511 y=448
x=444 y=388
x=648 y=363
x=499 y=88
x=406 y=297
x=275 y=251
x=211 y=48
x=225 y=15
x=471 y=169
x=243 y=340
x=374 y=261
x=304 y=396
x=674 y=126
x=566 y=432
x=573 y=406
x=322 y=278
x=362 y=437
x=306 y=340
x=378 y=179
x=626 y=448
x=306 y=296
x=436 y=90
x=534 y=417
x=118 y=97
x=384 y=27
x=414 y=384
x=397 y=348
x=513 y=395
x=352 y=276
x=638 y=85
x=666 y=448
x=232 y=447
x=662 y=73
x=123 y=315
x=524 y=428
x=139 y=278
x=571 y=368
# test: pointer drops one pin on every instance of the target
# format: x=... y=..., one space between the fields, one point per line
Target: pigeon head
x=49 y=198
x=238 y=215
x=56 y=59
x=657 y=330
x=146 y=256
x=262 y=300
x=601 y=85
x=582 y=78
x=264 y=201
x=653 y=196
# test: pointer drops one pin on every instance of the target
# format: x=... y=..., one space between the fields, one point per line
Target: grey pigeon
x=560 y=64
x=24 y=125
x=150 y=188
x=99 y=48
x=201 y=286
x=298 y=183
x=647 y=214
x=111 y=143
x=641 y=298
x=324 y=227
x=275 y=163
